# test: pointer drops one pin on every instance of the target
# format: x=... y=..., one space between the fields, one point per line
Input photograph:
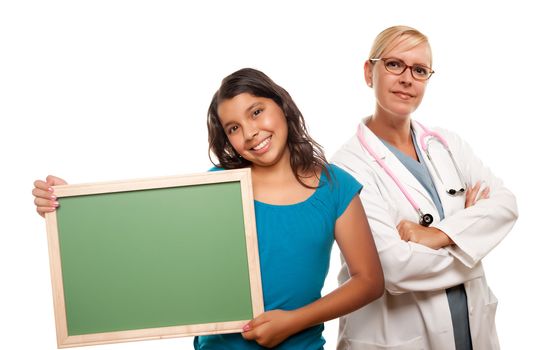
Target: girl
x=436 y=292
x=302 y=204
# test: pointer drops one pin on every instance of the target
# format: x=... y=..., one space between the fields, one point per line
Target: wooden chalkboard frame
x=243 y=176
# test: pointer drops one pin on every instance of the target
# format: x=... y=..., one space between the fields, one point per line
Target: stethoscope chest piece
x=426 y=220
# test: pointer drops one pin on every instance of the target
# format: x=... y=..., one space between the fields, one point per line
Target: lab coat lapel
x=404 y=175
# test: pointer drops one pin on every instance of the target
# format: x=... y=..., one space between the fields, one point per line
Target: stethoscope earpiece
x=453 y=192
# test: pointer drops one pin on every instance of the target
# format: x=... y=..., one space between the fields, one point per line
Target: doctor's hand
x=271 y=328
x=44 y=198
x=472 y=192
x=428 y=236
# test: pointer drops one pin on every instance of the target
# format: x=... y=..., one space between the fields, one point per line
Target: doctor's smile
x=403 y=95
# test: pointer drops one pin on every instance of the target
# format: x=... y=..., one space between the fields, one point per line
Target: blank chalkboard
x=154 y=258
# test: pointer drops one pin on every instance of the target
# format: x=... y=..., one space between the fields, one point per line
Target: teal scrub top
x=295 y=243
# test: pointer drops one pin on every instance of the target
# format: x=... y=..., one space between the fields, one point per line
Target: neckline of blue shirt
x=311 y=197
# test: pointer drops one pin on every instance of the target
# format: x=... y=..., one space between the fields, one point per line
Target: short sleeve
x=345 y=187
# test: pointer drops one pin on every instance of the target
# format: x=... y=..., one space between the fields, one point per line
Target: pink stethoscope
x=424 y=219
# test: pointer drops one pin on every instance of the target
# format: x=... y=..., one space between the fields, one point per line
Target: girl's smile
x=263 y=146
x=256 y=128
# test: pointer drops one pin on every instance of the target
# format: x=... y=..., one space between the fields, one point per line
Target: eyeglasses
x=397 y=67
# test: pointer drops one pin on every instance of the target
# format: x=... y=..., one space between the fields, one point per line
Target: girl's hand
x=472 y=192
x=354 y=238
x=428 y=236
x=44 y=198
x=271 y=328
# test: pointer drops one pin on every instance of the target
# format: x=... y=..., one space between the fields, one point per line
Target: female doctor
x=435 y=211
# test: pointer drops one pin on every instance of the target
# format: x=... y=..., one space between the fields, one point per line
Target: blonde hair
x=397 y=34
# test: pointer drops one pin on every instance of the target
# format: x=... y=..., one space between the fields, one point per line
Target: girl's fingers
x=41 y=202
x=54 y=181
x=38 y=193
x=43 y=210
x=44 y=198
x=42 y=185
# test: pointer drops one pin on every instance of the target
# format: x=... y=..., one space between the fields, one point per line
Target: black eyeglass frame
x=385 y=59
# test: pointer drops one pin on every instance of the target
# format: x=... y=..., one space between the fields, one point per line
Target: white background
x=106 y=90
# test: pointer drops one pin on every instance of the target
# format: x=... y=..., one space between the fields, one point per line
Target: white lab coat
x=414 y=313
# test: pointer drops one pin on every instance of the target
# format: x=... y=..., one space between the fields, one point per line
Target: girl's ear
x=368 y=73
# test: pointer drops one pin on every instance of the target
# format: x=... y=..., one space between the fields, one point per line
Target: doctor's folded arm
x=435 y=211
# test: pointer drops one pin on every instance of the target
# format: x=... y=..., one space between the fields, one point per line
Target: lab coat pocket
x=482 y=322
x=416 y=343
x=490 y=307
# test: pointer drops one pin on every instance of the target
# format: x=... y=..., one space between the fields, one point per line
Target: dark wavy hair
x=306 y=154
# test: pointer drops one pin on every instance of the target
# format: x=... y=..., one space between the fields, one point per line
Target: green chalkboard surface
x=154 y=258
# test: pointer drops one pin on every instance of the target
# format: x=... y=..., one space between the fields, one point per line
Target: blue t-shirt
x=295 y=243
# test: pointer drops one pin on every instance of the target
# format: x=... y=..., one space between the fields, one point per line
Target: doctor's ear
x=368 y=73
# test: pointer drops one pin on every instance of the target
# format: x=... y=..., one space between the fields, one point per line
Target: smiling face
x=397 y=96
x=256 y=128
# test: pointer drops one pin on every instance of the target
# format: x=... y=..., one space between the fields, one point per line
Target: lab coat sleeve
x=478 y=229
x=407 y=266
